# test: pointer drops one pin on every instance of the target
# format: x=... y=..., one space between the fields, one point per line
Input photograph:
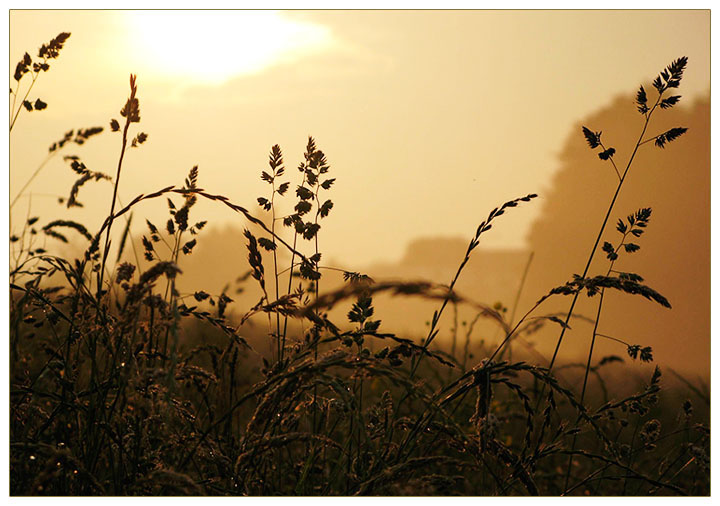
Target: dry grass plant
x=121 y=385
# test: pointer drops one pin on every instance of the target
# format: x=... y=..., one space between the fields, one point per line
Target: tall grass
x=122 y=385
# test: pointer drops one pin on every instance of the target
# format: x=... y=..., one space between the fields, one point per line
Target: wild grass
x=121 y=385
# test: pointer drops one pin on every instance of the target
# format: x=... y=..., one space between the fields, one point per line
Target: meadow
x=120 y=384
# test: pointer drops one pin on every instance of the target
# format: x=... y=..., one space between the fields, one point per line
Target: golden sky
x=429 y=118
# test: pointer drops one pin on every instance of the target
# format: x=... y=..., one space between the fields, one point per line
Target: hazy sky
x=428 y=118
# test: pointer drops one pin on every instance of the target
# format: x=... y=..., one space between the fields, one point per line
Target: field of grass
x=121 y=385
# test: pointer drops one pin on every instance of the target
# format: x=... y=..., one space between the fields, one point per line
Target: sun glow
x=213 y=46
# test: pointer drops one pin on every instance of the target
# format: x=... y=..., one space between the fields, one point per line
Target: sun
x=213 y=46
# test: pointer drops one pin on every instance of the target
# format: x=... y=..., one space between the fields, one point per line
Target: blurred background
x=429 y=119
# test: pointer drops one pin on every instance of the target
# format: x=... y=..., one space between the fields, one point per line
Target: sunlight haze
x=429 y=119
x=213 y=47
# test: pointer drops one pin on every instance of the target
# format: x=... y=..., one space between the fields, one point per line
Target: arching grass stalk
x=483 y=227
x=432 y=333
x=48 y=51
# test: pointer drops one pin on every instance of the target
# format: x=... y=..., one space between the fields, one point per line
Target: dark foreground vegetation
x=122 y=385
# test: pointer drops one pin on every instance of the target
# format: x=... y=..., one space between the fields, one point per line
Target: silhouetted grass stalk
x=518 y=292
x=483 y=227
x=132 y=114
x=648 y=115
